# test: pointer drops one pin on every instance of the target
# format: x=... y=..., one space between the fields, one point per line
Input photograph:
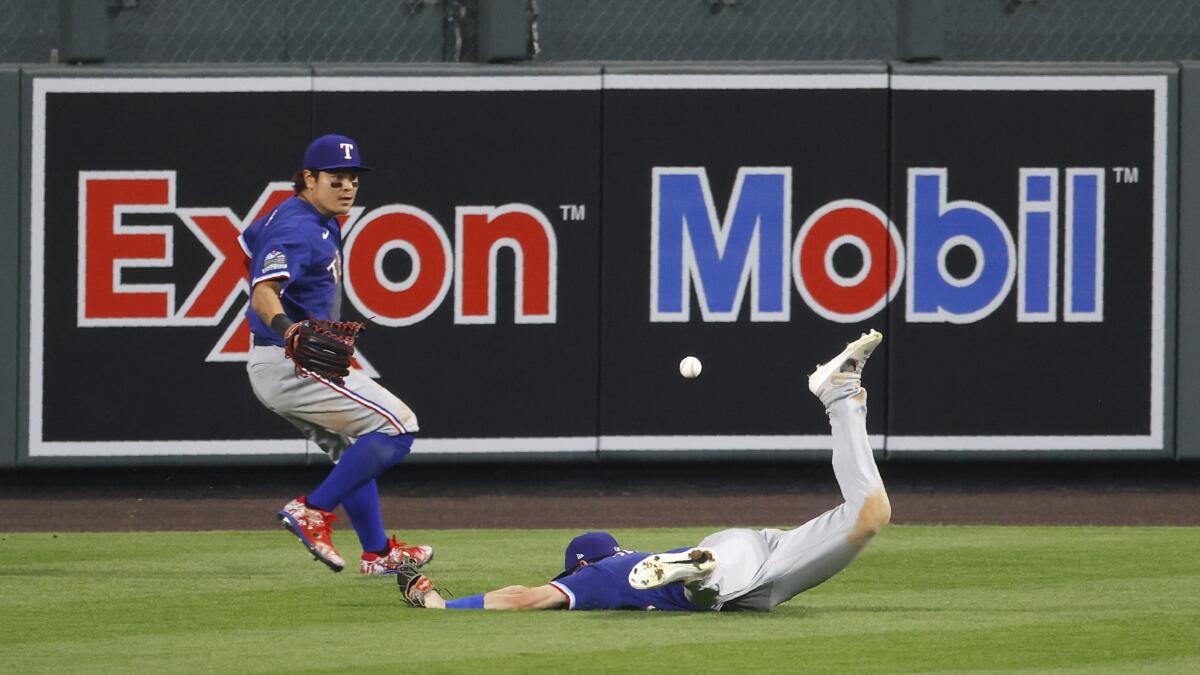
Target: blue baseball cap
x=334 y=151
x=589 y=546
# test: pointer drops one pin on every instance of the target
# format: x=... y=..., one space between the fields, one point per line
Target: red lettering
x=859 y=296
x=397 y=303
x=218 y=230
x=480 y=233
x=109 y=246
x=234 y=344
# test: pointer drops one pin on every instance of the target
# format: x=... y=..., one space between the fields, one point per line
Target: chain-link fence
x=406 y=31
x=723 y=30
x=1072 y=30
x=28 y=30
x=277 y=31
x=225 y=31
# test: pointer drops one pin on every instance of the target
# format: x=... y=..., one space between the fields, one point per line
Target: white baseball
x=690 y=367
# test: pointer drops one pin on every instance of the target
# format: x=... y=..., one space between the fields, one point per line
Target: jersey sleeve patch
x=274 y=261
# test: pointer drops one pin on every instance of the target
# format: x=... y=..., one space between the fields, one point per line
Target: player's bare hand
x=434 y=600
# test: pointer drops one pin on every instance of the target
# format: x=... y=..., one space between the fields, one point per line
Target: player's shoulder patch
x=275 y=261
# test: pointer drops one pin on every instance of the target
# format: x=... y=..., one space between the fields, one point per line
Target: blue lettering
x=935 y=226
x=1037 y=283
x=1084 y=274
x=750 y=245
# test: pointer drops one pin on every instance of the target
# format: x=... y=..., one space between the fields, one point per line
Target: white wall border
x=299 y=446
x=404 y=83
x=749 y=81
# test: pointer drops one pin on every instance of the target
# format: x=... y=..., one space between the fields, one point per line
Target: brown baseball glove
x=413 y=584
x=322 y=348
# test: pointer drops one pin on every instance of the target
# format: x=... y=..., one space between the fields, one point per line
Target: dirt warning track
x=583 y=496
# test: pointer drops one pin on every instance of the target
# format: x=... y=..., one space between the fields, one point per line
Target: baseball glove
x=413 y=584
x=322 y=348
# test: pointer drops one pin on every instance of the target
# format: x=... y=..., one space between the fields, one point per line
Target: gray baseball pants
x=328 y=414
x=759 y=569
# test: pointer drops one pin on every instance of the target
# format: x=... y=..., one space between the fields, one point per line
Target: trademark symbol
x=573 y=212
x=1125 y=174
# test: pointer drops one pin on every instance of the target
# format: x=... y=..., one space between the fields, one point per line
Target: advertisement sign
x=772 y=233
x=471 y=254
x=533 y=255
x=719 y=191
x=1034 y=308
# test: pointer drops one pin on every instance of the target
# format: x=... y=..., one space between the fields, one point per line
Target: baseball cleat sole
x=294 y=527
x=661 y=569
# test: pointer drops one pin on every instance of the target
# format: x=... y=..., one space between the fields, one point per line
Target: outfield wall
x=539 y=246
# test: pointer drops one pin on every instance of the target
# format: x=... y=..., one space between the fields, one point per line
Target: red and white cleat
x=311 y=527
x=399 y=553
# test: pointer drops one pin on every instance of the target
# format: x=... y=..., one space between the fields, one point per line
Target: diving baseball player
x=730 y=570
x=300 y=362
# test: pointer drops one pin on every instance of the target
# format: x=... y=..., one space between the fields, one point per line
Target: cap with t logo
x=589 y=547
x=334 y=151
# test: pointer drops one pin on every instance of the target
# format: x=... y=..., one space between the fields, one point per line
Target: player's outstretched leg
x=838 y=383
x=351 y=484
x=808 y=555
x=661 y=569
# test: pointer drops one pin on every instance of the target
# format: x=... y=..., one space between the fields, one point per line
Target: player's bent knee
x=386 y=450
x=876 y=513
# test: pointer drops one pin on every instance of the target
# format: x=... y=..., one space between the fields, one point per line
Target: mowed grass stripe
x=922 y=599
x=1044 y=645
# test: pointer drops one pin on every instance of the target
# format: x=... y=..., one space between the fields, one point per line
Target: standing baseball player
x=731 y=570
x=300 y=363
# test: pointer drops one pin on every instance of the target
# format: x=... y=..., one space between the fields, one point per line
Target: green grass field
x=922 y=599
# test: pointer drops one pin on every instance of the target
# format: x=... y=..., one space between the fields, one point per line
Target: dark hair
x=298 y=184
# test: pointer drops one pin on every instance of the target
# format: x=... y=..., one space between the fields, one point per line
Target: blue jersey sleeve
x=589 y=588
x=280 y=253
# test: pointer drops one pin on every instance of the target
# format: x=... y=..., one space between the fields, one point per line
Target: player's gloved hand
x=321 y=347
x=413 y=584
